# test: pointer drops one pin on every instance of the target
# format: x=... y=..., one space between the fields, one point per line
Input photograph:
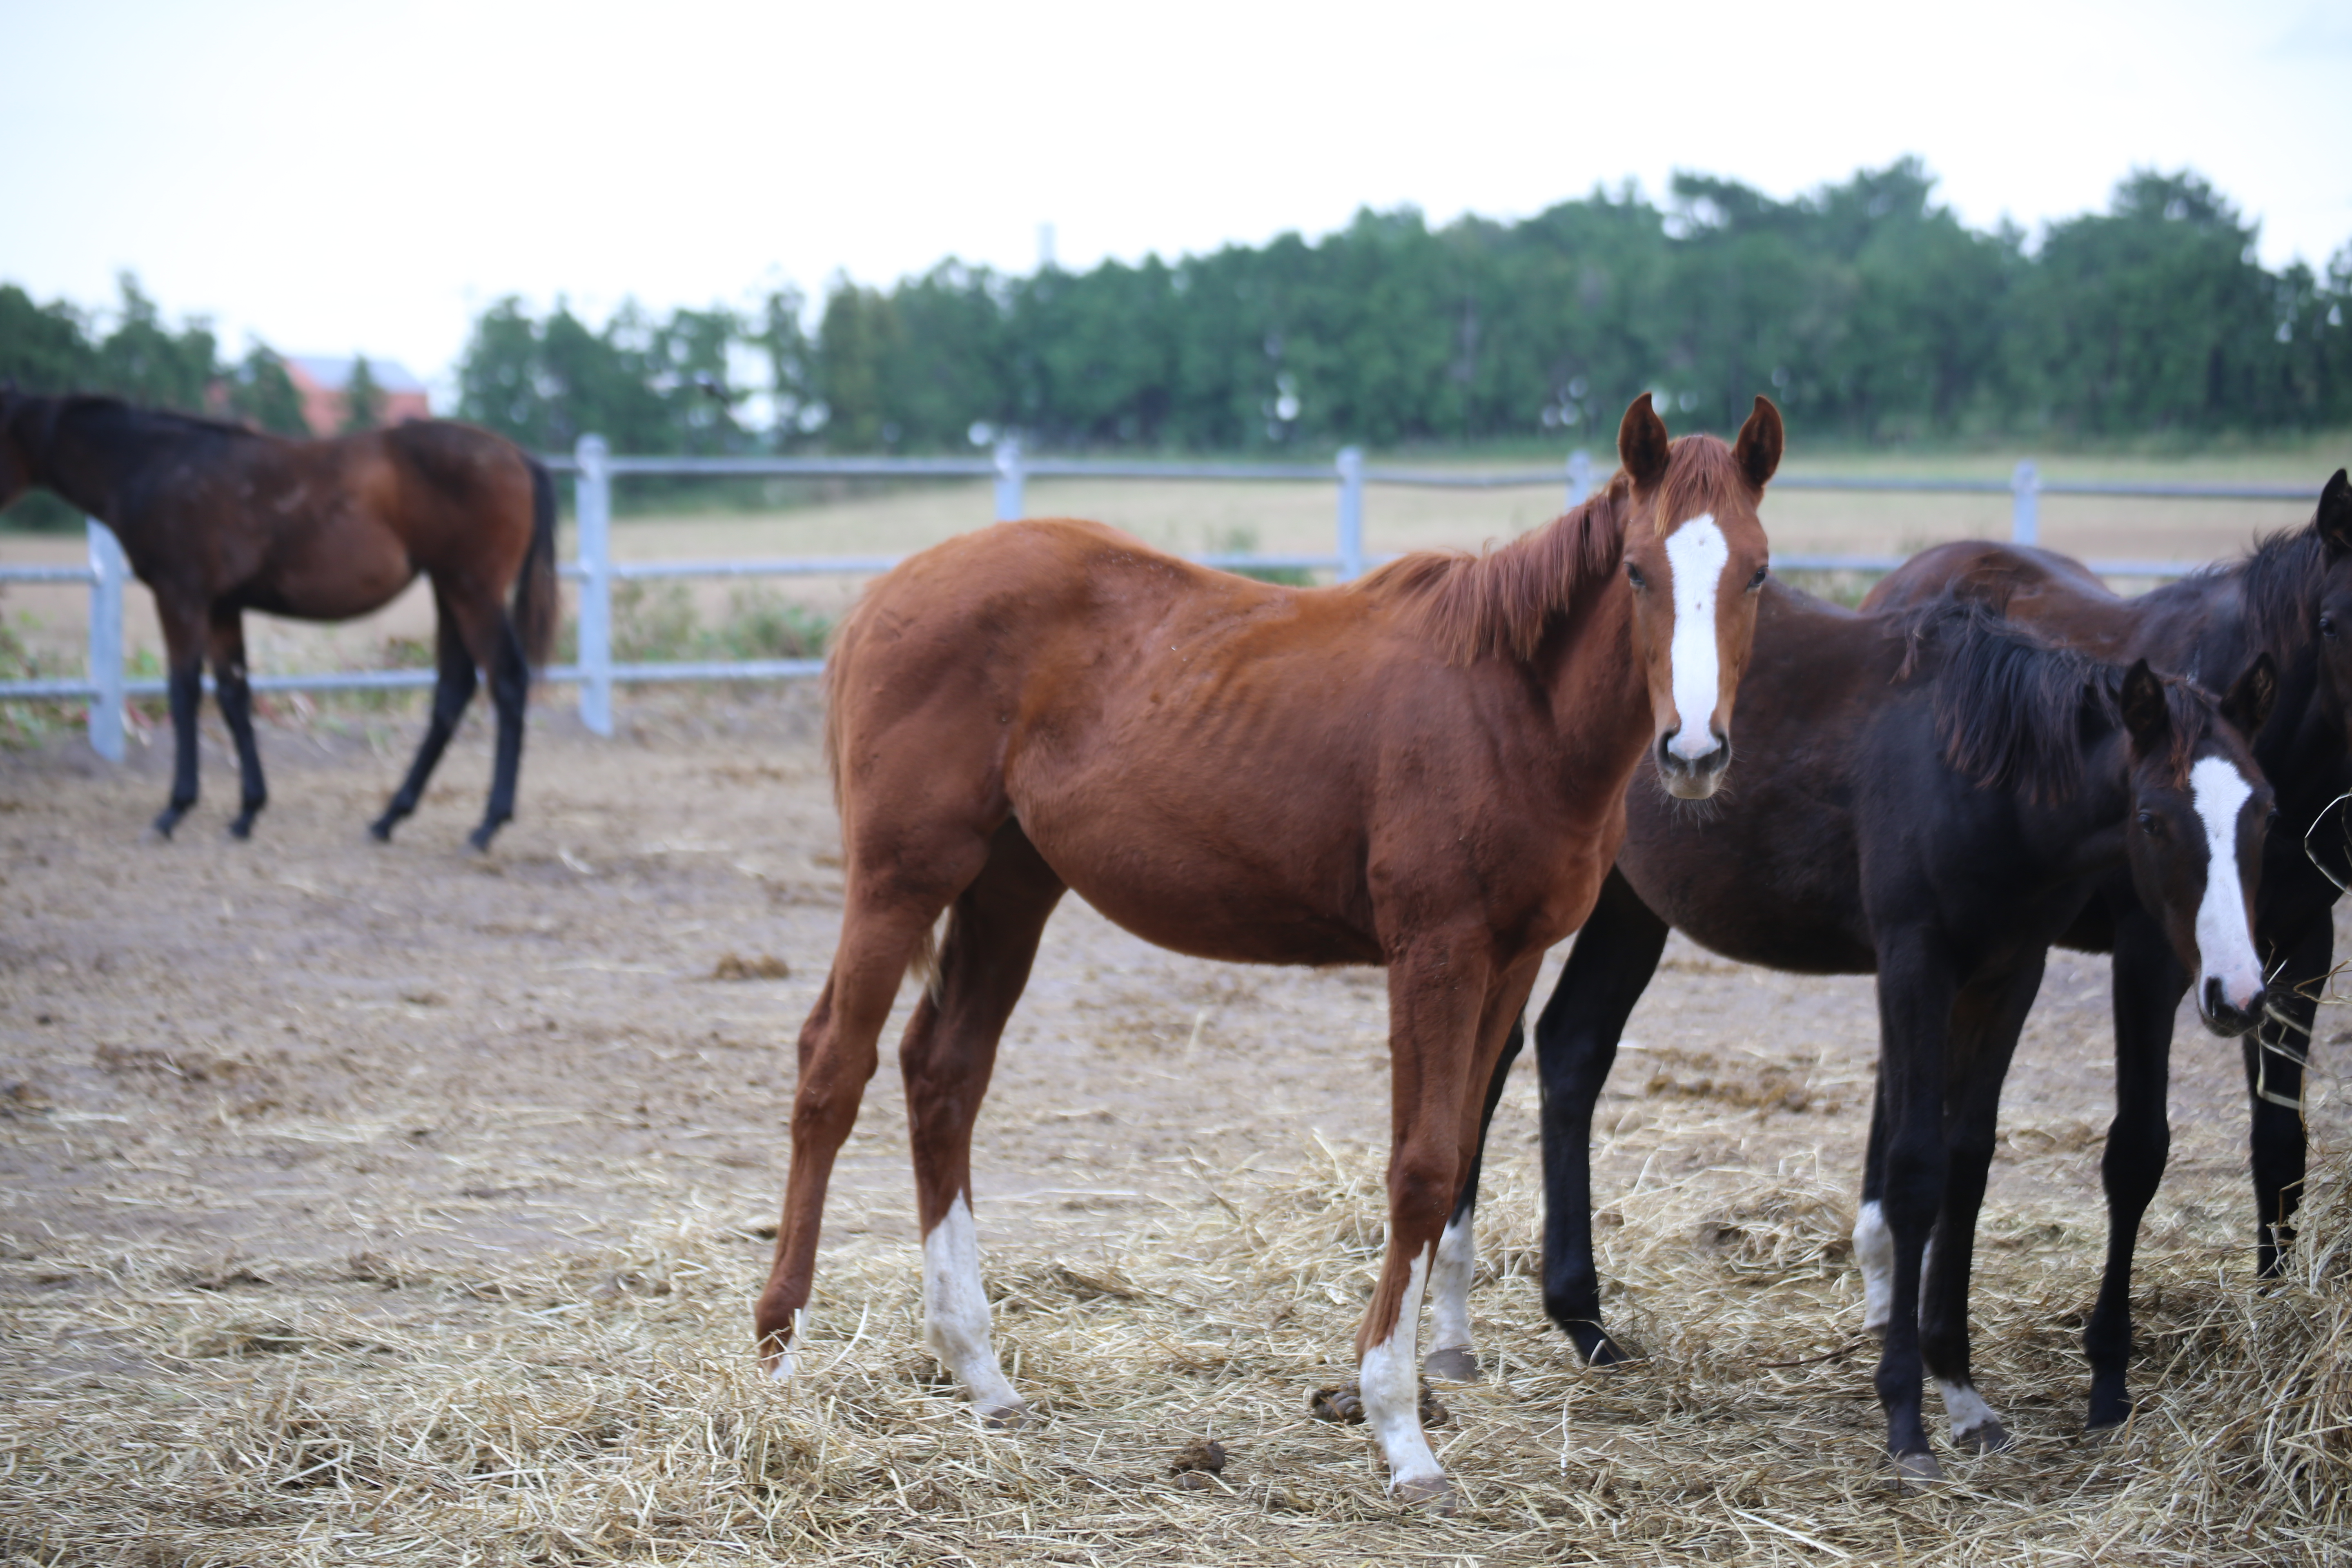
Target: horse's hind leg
x=1986 y=1025
x=235 y=696
x=948 y=1054
x=885 y=923
x=511 y=695
x=453 y=689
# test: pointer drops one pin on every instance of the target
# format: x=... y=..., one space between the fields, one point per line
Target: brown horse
x=219 y=520
x=1423 y=769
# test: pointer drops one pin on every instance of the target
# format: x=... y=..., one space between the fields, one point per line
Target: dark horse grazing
x=219 y=520
x=1932 y=798
x=1421 y=770
x=2290 y=598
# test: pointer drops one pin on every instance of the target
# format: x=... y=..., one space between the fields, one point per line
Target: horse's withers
x=1694 y=570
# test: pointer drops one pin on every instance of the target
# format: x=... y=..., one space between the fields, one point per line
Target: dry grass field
x=1195 y=518
x=366 y=1204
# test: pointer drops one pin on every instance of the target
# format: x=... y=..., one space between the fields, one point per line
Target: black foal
x=1932 y=798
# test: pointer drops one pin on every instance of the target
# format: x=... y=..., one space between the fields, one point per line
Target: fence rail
x=593 y=470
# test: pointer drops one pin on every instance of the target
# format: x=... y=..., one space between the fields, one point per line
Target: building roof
x=334 y=373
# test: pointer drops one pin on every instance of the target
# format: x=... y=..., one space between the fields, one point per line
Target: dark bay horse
x=2290 y=598
x=1421 y=770
x=1932 y=798
x=218 y=519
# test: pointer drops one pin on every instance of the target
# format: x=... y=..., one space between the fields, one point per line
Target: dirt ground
x=369 y=1203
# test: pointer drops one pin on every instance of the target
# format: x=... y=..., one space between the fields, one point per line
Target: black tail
x=535 y=600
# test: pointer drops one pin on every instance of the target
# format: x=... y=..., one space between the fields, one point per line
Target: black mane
x=2280 y=583
x=141 y=419
x=2011 y=709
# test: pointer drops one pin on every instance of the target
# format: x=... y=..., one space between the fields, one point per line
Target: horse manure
x=1196 y=1462
x=1345 y=1404
x=734 y=966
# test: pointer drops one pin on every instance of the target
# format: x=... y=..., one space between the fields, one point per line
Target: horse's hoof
x=1987 y=1436
x=1915 y=1470
x=241 y=828
x=1430 y=1494
x=2103 y=1434
x=479 y=839
x=1343 y=1403
x=381 y=830
x=1454 y=1364
x=1007 y=1417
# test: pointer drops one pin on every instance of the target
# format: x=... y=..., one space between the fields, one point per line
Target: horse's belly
x=1244 y=906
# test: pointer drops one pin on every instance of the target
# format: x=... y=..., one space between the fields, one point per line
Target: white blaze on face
x=2225 y=948
x=955 y=1311
x=1696 y=555
x=1391 y=1381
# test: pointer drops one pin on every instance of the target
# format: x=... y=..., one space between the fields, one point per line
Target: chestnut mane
x=1501 y=602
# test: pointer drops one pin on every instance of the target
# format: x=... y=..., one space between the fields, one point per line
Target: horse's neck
x=1599 y=690
x=90 y=455
x=2084 y=833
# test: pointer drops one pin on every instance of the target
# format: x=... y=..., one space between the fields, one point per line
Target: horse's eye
x=2149 y=822
x=1757 y=581
x=2270 y=817
x=1634 y=575
x=2327 y=627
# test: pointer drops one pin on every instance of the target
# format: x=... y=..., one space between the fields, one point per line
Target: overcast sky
x=332 y=177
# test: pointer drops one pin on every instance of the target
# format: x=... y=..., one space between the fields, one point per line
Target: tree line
x=1865 y=308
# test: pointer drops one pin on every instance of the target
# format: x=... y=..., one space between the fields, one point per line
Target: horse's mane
x=2279 y=584
x=1502 y=602
x=141 y=415
x=2010 y=707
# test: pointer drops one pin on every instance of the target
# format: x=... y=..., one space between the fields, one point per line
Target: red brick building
x=320 y=379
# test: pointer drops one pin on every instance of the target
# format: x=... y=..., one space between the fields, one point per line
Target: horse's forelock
x=1702 y=476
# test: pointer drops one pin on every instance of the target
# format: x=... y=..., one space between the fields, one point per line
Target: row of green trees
x=1865 y=308
x=58 y=347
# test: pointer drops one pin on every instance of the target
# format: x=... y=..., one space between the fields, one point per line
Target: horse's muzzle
x=2223 y=1018
x=1691 y=778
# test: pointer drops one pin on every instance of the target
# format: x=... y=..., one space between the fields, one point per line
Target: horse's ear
x=2142 y=703
x=2248 y=706
x=1642 y=443
x=2335 y=521
x=1760 y=441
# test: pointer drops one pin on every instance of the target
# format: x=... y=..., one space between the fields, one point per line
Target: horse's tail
x=535 y=599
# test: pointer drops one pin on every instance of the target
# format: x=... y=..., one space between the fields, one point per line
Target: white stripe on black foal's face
x=2195 y=837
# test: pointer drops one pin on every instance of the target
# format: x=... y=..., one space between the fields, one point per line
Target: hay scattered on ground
x=600 y=1407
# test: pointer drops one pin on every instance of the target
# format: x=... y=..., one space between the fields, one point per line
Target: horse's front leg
x=2148 y=983
x=2275 y=1053
x=1438 y=993
x=1915 y=990
x=1983 y=1039
x=234 y=692
x=1453 y=1353
x=183 y=653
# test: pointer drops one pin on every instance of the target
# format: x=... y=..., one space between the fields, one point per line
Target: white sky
x=335 y=176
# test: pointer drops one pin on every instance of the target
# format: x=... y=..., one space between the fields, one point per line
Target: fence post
x=108 y=567
x=2025 y=505
x=593 y=499
x=1010 y=478
x=1580 y=478
x=1351 y=513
